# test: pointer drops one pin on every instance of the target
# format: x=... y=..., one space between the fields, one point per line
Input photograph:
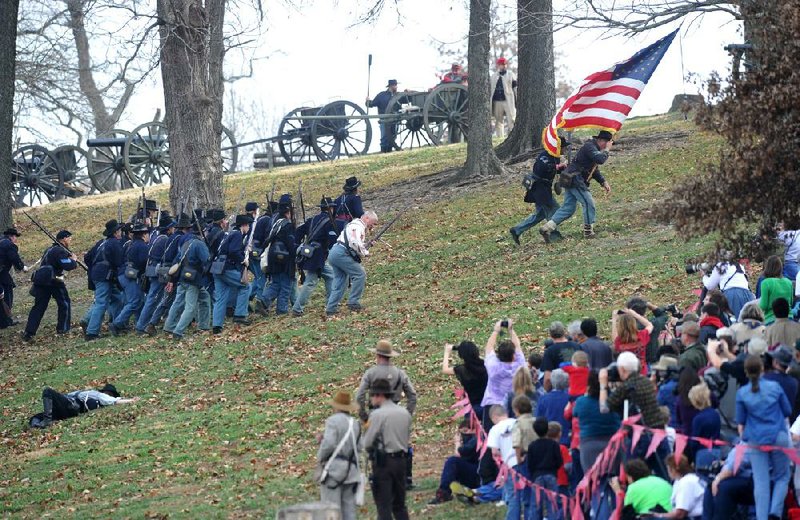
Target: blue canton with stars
x=642 y=64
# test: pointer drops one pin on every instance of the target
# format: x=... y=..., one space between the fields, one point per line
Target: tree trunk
x=191 y=68
x=8 y=56
x=481 y=159
x=536 y=91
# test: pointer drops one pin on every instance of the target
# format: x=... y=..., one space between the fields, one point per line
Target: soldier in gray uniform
x=399 y=383
x=387 y=442
x=339 y=464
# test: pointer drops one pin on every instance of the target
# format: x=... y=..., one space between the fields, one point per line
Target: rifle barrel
x=51 y=237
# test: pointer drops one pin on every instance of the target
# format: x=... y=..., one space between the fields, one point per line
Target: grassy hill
x=226 y=425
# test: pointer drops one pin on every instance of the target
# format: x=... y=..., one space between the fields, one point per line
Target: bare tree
x=481 y=159
x=8 y=49
x=192 y=52
x=536 y=96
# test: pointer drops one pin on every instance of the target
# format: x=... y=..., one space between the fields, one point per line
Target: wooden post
x=270 y=158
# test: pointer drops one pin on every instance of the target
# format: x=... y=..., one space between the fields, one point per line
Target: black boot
x=409 y=467
x=47 y=403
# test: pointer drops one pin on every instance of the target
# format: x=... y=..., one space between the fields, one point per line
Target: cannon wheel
x=445 y=113
x=349 y=135
x=295 y=139
x=146 y=154
x=77 y=166
x=36 y=177
x=410 y=130
x=229 y=152
x=108 y=167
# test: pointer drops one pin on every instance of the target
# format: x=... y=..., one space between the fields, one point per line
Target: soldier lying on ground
x=59 y=406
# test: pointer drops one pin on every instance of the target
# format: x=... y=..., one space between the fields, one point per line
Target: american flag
x=605 y=98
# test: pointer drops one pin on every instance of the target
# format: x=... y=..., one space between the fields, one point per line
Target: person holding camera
x=471 y=373
x=502 y=362
x=627 y=337
x=731 y=279
x=559 y=351
x=693 y=356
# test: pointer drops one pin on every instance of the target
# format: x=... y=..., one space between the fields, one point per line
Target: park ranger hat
x=384 y=349
x=11 y=232
x=241 y=220
x=604 y=134
x=343 y=401
x=381 y=386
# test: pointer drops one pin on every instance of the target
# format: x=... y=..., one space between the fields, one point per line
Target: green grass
x=226 y=425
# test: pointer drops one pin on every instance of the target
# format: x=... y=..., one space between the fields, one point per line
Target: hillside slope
x=226 y=425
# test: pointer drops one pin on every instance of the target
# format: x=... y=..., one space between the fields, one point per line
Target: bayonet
x=50 y=235
x=385 y=228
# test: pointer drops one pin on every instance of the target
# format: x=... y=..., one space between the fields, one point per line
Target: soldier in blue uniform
x=228 y=282
x=278 y=259
x=540 y=192
x=381 y=102
x=585 y=167
x=9 y=259
x=348 y=204
x=130 y=276
x=191 y=298
x=261 y=229
x=59 y=259
x=316 y=236
x=104 y=262
x=182 y=225
x=155 y=258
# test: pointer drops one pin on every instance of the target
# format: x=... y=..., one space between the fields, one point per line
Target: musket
x=144 y=207
x=119 y=211
x=249 y=247
x=271 y=196
x=43 y=230
x=238 y=208
x=300 y=197
x=385 y=228
x=200 y=229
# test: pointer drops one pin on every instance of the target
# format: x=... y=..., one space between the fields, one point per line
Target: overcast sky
x=314 y=55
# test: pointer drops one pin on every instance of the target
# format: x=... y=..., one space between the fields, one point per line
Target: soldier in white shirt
x=346 y=258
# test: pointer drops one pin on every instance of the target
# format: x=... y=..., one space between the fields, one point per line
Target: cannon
x=434 y=117
x=39 y=175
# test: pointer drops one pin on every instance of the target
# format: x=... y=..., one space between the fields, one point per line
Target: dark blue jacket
x=585 y=160
x=381 y=101
x=261 y=229
x=285 y=235
x=348 y=207
x=59 y=259
x=173 y=245
x=214 y=236
x=197 y=257
x=135 y=254
x=322 y=233
x=233 y=247
x=9 y=257
x=544 y=171
x=157 y=249
x=106 y=258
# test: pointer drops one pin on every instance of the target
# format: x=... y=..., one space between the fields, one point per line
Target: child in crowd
x=554 y=432
x=499 y=441
x=578 y=374
x=522 y=434
x=544 y=460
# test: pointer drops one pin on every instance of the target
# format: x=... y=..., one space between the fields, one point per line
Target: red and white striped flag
x=605 y=98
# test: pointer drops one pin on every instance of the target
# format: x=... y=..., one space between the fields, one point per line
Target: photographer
x=471 y=374
x=629 y=385
x=500 y=367
x=730 y=279
x=729 y=489
x=660 y=317
x=627 y=337
x=665 y=376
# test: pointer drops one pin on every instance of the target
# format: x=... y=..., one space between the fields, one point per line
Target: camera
x=613 y=373
x=620 y=313
x=504 y=323
x=673 y=310
x=696 y=268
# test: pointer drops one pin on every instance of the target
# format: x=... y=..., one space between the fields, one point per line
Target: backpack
x=277 y=252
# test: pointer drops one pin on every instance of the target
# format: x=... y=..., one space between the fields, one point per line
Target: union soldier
x=191 y=298
x=386 y=440
x=317 y=236
x=155 y=258
x=348 y=204
x=228 y=281
x=585 y=167
x=130 y=275
x=104 y=261
x=9 y=258
x=261 y=229
x=59 y=259
x=58 y=406
x=278 y=260
x=182 y=225
x=345 y=258
x=503 y=106
x=400 y=386
x=540 y=192
x=339 y=464
x=381 y=102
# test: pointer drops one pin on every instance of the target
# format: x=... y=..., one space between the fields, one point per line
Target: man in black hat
x=348 y=204
x=540 y=191
x=381 y=102
x=228 y=268
x=580 y=171
x=278 y=260
x=131 y=275
x=317 y=236
x=58 y=406
x=183 y=226
x=9 y=258
x=104 y=261
x=56 y=259
x=386 y=441
x=155 y=260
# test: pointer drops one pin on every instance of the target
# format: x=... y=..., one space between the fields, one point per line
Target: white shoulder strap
x=355 y=444
x=336 y=452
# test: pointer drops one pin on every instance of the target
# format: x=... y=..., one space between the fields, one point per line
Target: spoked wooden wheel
x=108 y=171
x=408 y=127
x=294 y=137
x=146 y=154
x=228 y=151
x=345 y=136
x=36 y=177
x=446 y=112
x=77 y=166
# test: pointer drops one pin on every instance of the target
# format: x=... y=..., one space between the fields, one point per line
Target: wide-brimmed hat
x=285 y=202
x=384 y=349
x=184 y=221
x=351 y=183
x=61 y=235
x=251 y=206
x=139 y=227
x=380 y=386
x=391 y=82
x=166 y=222
x=112 y=226
x=782 y=355
x=665 y=363
x=150 y=205
x=110 y=389
x=604 y=134
x=326 y=202
x=343 y=401
x=12 y=232
x=241 y=220
x=215 y=215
